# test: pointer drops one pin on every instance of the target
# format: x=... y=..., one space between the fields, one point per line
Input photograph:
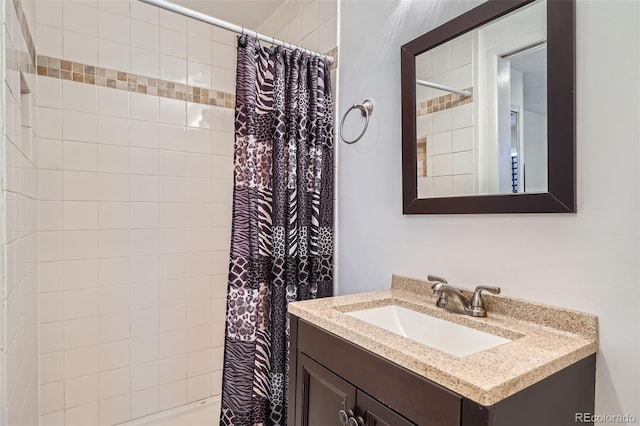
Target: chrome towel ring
x=366 y=109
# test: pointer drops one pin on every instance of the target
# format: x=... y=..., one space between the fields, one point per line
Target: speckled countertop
x=545 y=339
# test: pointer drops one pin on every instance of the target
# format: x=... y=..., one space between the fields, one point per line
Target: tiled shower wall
x=18 y=224
x=135 y=209
x=447 y=124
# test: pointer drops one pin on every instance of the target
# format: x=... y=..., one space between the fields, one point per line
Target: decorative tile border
x=421 y=146
x=334 y=54
x=443 y=102
x=24 y=27
x=105 y=77
x=21 y=60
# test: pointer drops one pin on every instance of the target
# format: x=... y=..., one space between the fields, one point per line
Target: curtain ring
x=242 y=41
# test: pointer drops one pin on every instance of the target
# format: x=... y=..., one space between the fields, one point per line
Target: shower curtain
x=282 y=235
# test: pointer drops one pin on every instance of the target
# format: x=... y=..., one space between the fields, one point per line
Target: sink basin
x=445 y=336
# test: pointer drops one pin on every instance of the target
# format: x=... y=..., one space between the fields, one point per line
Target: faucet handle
x=476 y=299
x=436 y=279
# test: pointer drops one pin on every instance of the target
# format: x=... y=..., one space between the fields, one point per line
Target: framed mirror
x=488 y=111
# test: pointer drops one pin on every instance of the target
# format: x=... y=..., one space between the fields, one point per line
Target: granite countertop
x=544 y=339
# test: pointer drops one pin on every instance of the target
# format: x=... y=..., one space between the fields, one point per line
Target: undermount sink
x=454 y=339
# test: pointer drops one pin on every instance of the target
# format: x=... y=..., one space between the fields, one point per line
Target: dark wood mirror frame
x=561 y=160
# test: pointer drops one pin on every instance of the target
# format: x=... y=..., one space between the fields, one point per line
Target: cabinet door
x=321 y=394
x=376 y=414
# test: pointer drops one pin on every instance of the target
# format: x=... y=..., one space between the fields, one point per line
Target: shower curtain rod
x=464 y=93
x=228 y=26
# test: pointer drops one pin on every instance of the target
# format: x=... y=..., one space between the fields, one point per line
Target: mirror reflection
x=481 y=113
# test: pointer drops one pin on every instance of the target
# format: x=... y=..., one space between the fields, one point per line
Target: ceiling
x=247 y=13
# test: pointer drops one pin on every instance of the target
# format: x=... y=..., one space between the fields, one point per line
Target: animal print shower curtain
x=282 y=237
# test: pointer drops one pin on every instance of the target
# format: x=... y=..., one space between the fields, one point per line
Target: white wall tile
x=51 y=397
x=145 y=402
x=442 y=165
x=50 y=13
x=80 y=332
x=79 y=47
x=145 y=62
x=113 y=187
x=442 y=186
x=113 y=102
x=51 y=308
x=173 y=21
x=113 y=27
x=198 y=74
x=50 y=215
x=144 y=349
x=143 y=107
x=114 y=355
x=80 y=303
x=51 y=367
x=145 y=215
x=144 y=375
x=49 y=123
x=145 y=36
x=462 y=77
x=172 y=137
x=173 y=69
x=144 y=12
x=439 y=143
x=115 y=410
x=461 y=53
x=80 y=215
x=79 y=126
x=463 y=162
x=119 y=7
x=198 y=50
x=114 y=55
x=173 y=394
x=114 y=382
x=80 y=156
x=80 y=185
x=173 y=43
x=49 y=93
x=198 y=29
x=114 y=327
x=79 y=97
x=49 y=154
x=80 y=18
x=114 y=299
x=79 y=274
x=80 y=391
x=462 y=116
x=198 y=387
x=113 y=159
x=463 y=185
x=81 y=361
x=114 y=243
x=172 y=111
x=462 y=139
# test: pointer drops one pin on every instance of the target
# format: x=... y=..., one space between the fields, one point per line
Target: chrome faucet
x=452 y=299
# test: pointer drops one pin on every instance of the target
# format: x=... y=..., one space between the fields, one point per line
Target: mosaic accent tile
x=443 y=102
x=89 y=74
x=422 y=157
x=334 y=54
x=21 y=60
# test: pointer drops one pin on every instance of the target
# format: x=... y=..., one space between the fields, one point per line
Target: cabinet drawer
x=419 y=400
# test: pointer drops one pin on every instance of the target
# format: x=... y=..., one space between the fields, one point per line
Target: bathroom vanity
x=538 y=370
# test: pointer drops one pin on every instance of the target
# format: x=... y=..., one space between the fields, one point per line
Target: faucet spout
x=450 y=298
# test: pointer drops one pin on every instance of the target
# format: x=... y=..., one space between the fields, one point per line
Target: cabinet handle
x=356 y=421
x=344 y=416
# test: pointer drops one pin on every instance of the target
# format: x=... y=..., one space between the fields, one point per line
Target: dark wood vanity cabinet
x=329 y=374
x=324 y=395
